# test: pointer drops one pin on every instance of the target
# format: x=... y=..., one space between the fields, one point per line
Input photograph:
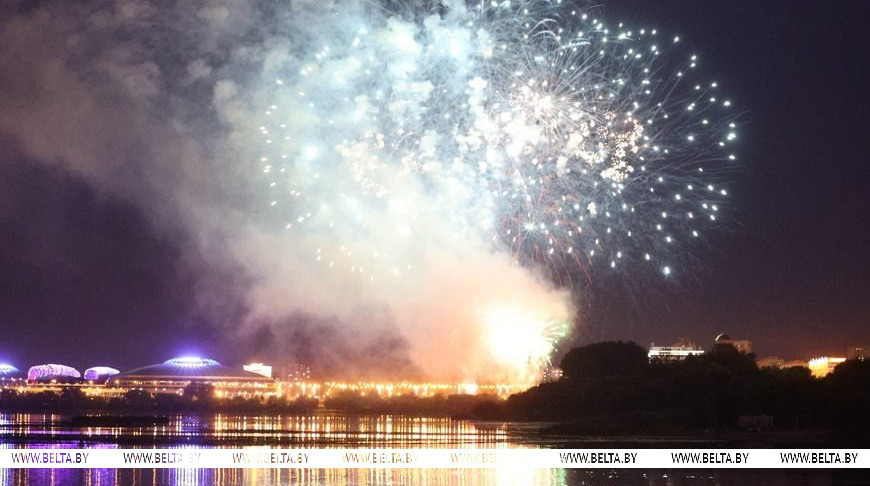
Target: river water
x=325 y=429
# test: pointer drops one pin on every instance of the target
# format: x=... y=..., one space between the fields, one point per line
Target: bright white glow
x=7 y=368
x=500 y=131
x=191 y=361
x=521 y=338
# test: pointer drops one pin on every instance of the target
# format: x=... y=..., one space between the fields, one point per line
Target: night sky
x=791 y=274
x=87 y=278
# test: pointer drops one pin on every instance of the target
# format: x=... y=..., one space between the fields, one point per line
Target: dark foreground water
x=346 y=431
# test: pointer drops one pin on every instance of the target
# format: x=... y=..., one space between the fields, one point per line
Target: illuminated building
x=100 y=373
x=259 y=368
x=298 y=372
x=856 y=352
x=742 y=345
x=53 y=373
x=174 y=375
x=10 y=373
x=820 y=367
x=795 y=363
x=780 y=364
x=679 y=351
x=551 y=373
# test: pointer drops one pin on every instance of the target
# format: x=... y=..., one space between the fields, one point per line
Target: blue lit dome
x=191 y=362
x=187 y=369
x=9 y=372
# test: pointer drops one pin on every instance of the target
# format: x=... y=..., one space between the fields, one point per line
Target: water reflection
x=317 y=430
x=431 y=477
x=338 y=430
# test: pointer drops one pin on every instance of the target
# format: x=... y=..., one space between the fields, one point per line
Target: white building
x=820 y=367
x=259 y=368
x=679 y=351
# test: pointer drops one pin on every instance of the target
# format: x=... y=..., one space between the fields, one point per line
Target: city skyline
x=302 y=371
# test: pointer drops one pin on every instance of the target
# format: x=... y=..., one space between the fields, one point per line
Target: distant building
x=174 y=375
x=795 y=363
x=678 y=351
x=9 y=373
x=742 y=345
x=820 y=367
x=298 y=372
x=781 y=364
x=770 y=362
x=551 y=373
x=57 y=373
x=856 y=352
x=259 y=368
x=99 y=373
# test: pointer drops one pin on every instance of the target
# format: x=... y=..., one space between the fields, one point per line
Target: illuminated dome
x=191 y=362
x=722 y=337
x=100 y=373
x=174 y=375
x=56 y=372
x=188 y=369
x=9 y=372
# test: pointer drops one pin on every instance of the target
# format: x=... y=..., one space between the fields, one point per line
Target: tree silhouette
x=605 y=360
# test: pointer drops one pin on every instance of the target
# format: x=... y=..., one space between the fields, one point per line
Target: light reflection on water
x=316 y=430
x=301 y=477
x=431 y=477
x=333 y=430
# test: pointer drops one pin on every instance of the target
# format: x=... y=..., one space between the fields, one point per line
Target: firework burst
x=533 y=129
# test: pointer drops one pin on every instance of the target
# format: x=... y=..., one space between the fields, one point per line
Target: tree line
x=614 y=385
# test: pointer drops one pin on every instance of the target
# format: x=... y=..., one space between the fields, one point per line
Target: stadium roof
x=8 y=371
x=52 y=371
x=99 y=373
x=189 y=368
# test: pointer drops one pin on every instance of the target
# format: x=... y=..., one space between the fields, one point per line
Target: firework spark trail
x=530 y=129
x=381 y=188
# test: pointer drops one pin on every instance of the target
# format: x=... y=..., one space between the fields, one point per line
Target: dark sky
x=83 y=279
x=792 y=273
x=86 y=280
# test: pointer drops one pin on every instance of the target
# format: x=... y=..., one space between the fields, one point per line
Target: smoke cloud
x=288 y=149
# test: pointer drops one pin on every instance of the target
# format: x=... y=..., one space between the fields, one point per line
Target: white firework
x=532 y=128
